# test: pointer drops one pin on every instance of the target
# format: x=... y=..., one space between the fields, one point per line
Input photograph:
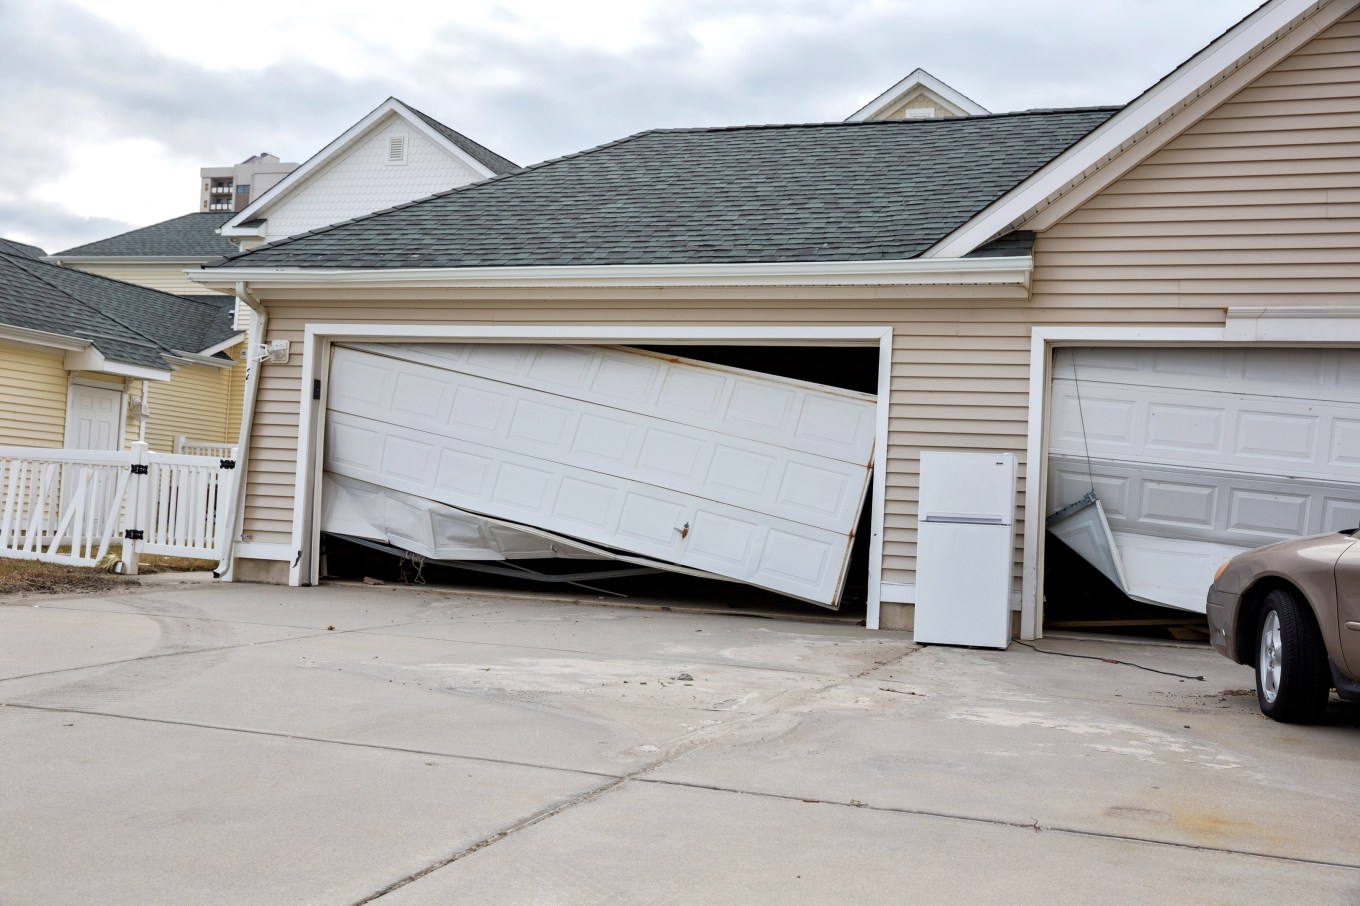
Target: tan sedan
x=1293 y=610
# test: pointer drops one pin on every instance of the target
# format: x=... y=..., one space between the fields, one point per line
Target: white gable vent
x=396 y=149
x=919 y=113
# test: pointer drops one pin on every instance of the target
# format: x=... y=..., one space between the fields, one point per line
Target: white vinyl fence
x=72 y=506
x=215 y=448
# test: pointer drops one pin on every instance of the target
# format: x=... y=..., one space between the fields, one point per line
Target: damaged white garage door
x=1198 y=454
x=742 y=475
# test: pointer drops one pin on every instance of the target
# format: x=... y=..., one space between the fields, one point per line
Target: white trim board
x=304 y=554
x=1319 y=332
x=996 y=271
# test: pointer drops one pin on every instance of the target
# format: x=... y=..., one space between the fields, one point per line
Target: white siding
x=361 y=180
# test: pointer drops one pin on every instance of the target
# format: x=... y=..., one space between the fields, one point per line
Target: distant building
x=232 y=188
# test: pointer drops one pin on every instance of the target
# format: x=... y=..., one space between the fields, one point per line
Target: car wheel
x=1292 y=681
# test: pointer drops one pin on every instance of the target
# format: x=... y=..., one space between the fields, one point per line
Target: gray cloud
x=74 y=77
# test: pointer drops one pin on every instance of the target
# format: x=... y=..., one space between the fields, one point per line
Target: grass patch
x=36 y=577
x=33 y=577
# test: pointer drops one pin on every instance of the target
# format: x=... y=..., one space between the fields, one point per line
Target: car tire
x=1292 y=680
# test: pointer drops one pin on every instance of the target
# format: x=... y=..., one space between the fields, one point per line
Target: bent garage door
x=1198 y=454
x=738 y=474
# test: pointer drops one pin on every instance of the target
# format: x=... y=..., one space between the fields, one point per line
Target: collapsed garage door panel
x=589 y=436
x=1196 y=454
x=823 y=421
x=703 y=494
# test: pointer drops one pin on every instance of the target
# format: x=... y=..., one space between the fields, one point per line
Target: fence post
x=137 y=508
x=180 y=441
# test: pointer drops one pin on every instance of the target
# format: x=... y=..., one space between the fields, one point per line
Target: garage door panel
x=766 y=478
x=1199 y=453
x=1219 y=428
x=803 y=561
x=791 y=414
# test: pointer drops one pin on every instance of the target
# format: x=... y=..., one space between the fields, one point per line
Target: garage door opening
x=576 y=459
x=1165 y=461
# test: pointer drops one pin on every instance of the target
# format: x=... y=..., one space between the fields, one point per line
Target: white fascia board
x=130 y=259
x=28 y=337
x=179 y=357
x=960 y=104
x=1121 y=132
x=1000 y=271
x=224 y=345
x=92 y=360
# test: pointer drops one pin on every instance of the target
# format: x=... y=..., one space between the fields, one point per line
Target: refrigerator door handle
x=965 y=520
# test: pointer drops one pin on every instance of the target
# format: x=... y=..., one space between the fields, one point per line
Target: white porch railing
x=187 y=447
x=70 y=506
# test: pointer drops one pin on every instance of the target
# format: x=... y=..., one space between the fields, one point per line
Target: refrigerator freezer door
x=963 y=581
x=967 y=487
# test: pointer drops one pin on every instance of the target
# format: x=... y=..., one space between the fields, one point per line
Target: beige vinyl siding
x=168 y=278
x=33 y=390
x=1256 y=204
x=960 y=369
x=236 y=392
x=1259 y=204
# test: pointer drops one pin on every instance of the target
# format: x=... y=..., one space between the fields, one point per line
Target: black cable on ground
x=1108 y=660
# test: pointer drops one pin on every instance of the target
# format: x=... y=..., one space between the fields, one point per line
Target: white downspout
x=260 y=320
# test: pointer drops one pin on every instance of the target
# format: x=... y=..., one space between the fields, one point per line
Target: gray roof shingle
x=480 y=153
x=125 y=322
x=190 y=236
x=20 y=248
x=821 y=192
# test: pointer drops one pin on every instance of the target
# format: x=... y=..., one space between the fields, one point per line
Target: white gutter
x=226 y=568
x=1001 y=271
x=91 y=359
x=225 y=344
x=177 y=357
x=31 y=337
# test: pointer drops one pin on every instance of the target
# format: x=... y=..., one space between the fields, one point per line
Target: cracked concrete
x=221 y=744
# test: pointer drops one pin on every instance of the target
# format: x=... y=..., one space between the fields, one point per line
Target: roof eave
x=997 y=271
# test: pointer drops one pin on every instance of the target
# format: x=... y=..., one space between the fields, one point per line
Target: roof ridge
x=936 y=121
x=466 y=187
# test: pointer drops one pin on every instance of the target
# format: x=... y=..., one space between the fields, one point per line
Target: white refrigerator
x=964 y=541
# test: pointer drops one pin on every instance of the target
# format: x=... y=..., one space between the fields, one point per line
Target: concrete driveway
x=224 y=744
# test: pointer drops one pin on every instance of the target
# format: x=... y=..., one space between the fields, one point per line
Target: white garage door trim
x=316 y=353
x=1244 y=327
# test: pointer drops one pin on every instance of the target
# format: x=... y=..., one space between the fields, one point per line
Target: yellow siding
x=1162 y=247
x=195 y=403
x=236 y=392
x=33 y=387
x=167 y=278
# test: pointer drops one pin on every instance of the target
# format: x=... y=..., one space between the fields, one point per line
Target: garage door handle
x=684 y=532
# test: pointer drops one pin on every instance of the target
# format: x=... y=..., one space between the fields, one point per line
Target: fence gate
x=70 y=506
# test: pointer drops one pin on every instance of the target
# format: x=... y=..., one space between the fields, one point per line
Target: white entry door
x=94 y=418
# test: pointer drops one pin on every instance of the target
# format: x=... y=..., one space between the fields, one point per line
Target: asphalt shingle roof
x=822 y=192
x=20 y=248
x=190 y=236
x=480 y=153
x=125 y=322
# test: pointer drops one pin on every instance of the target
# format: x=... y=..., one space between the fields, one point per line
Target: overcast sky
x=109 y=108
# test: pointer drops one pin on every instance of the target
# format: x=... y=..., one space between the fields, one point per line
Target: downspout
x=260 y=320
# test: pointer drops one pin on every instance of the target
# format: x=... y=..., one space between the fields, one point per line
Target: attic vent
x=396 y=149
x=919 y=113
